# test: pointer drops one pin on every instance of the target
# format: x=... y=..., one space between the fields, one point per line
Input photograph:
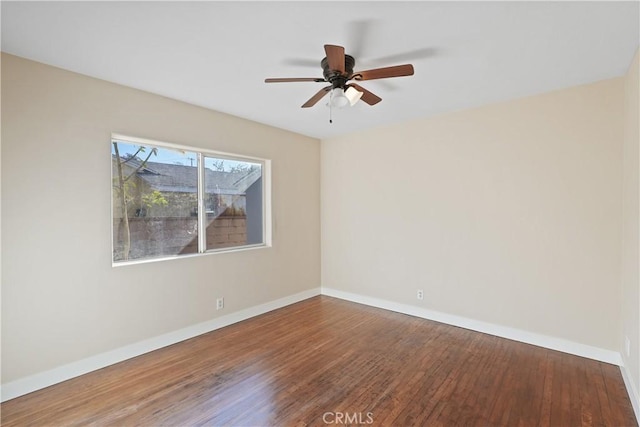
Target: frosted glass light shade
x=353 y=95
x=338 y=99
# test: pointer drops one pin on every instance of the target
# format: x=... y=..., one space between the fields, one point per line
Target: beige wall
x=61 y=299
x=630 y=228
x=508 y=214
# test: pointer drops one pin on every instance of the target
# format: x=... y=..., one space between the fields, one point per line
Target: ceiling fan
x=338 y=71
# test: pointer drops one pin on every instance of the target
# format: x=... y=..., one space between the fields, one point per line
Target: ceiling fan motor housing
x=336 y=78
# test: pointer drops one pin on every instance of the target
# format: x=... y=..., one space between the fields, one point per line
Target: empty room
x=320 y=213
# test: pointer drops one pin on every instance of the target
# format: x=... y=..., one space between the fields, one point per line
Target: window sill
x=210 y=252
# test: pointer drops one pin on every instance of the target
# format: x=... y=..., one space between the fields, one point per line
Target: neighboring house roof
x=183 y=179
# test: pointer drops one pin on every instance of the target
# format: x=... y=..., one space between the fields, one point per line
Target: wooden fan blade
x=335 y=57
x=383 y=73
x=317 y=97
x=294 y=79
x=368 y=97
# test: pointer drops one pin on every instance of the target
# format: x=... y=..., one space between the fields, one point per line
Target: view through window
x=156 y=192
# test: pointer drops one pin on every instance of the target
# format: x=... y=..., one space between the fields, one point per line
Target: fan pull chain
x=331 y=106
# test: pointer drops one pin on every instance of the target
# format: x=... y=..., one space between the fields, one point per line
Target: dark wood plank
x=324 y=355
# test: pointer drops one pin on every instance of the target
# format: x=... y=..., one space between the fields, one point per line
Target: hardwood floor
x=326 y=361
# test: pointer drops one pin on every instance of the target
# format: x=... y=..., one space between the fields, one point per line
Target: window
x=169 y=201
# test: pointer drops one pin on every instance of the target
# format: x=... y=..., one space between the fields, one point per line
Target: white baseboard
x=540 y=340
x=632 y=390
x=45 y=379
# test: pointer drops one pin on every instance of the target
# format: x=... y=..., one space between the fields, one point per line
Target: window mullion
x=202 y=214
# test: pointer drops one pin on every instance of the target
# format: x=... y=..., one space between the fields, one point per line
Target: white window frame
x=202 y=218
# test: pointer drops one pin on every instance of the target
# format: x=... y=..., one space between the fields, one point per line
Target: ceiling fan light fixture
x=337 y=71
x=353 y=95
x=338 y=98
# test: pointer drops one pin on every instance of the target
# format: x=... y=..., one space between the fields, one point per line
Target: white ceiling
x=217 y=54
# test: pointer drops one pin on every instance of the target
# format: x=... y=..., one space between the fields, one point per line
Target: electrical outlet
x=219 y=303
x=627 y=346
x=420 y=294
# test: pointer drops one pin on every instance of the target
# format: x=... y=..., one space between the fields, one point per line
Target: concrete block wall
x=224 y=232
